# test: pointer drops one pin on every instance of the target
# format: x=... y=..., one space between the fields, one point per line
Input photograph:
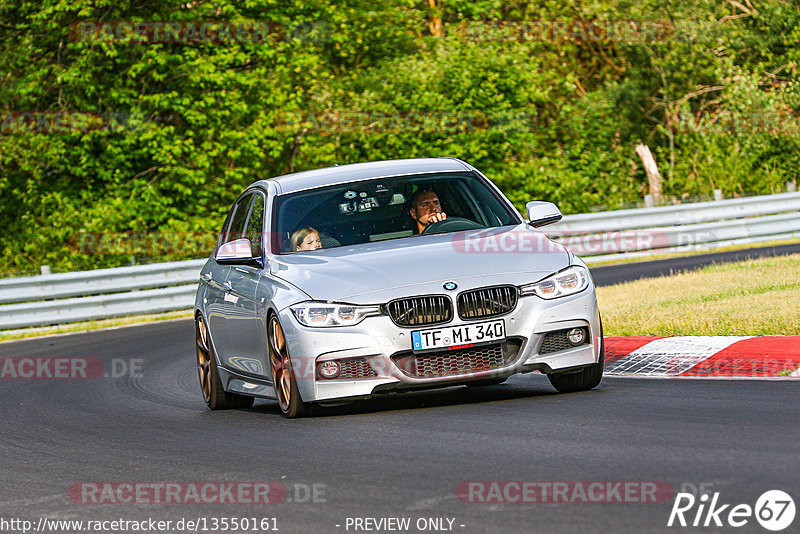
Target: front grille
x=457 y=362
x=487 y=302
x=557 y=341
x=356 y=368
x=419 y=311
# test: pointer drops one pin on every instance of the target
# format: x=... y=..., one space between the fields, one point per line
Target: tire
x=286 y=390
x=585 y=379
x=214 y=395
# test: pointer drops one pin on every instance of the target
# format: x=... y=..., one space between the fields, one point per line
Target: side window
x=255 y=225
x=224 y=232
x=236 y=228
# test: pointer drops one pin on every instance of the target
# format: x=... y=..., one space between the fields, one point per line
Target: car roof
x=362 y=171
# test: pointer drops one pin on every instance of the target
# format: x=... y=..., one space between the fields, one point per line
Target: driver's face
x=427 y=205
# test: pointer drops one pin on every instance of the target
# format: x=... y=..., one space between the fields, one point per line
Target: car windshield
x=386 y=208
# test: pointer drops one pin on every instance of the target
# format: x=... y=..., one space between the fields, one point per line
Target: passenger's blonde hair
x=299 y=236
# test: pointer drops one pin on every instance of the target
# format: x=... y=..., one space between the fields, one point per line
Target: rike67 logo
x=774 y=510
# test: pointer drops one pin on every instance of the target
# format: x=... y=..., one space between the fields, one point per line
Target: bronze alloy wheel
x=203 y=358
x=282 y=374
x=210 y=382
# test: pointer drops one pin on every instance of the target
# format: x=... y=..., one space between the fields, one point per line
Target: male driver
x=426 y=209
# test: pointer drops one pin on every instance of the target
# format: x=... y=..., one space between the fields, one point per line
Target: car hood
x=374 y=273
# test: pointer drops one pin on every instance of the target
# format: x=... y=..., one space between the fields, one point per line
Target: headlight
x=326 y=314
x=567 y=282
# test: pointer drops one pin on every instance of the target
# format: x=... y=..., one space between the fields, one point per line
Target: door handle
x=227 y=285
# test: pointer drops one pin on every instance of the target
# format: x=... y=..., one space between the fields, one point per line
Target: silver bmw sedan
x=337 y=284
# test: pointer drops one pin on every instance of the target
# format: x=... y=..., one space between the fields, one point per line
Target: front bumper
x=377 y=340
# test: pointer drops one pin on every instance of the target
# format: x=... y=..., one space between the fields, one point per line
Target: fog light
x=576 y=336
x=329 y=369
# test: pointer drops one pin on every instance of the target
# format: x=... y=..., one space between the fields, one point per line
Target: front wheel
x=210 y=382
x=286 y=389
x=585 y=379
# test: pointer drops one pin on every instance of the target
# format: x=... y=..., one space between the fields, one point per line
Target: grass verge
x=749 y=298
x=92 y=325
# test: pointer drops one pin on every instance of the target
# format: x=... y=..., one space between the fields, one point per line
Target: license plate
x=457 y=336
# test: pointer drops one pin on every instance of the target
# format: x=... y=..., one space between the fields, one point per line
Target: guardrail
x=103 y=293
x=58 y=286
x=678 y=214
x=641 y=232
x=99 y=294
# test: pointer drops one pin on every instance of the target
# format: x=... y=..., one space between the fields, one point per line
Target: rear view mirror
x=542 y=213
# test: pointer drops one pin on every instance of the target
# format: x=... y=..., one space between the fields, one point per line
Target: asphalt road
x=402 y=456
x=626 y=272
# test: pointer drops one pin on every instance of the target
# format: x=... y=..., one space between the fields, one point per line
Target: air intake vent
x=451 y=363
x=420 y=311
x=557 y=341
x=487 y=302
x=356 y=368
x=457 y=362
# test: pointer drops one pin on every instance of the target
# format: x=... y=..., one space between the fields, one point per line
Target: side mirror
x=542 y=213
x=237 y=252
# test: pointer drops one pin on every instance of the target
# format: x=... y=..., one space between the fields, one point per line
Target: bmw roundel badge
x=450 y=286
